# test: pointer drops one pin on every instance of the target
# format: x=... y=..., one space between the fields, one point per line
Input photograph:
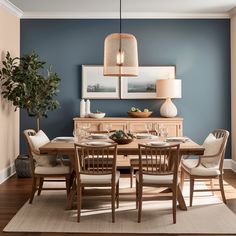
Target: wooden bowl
x=134 y=114
x=123 y=140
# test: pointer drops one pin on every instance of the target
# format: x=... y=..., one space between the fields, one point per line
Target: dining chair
x=45 y=168
x=161 y=171
x=209 y=165
x=96 y=167
x=134 y=160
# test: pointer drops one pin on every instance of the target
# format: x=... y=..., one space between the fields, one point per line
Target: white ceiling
x=130 y=8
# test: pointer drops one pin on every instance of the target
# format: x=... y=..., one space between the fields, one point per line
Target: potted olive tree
x=26 y=86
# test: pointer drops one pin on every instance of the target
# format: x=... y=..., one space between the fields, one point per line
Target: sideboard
x=173 y=125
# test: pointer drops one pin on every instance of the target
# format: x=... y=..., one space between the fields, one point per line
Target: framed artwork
x=144 y=86
x=97 y=86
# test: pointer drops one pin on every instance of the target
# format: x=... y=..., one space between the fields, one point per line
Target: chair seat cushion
x=156 y=179
x=53 y=170
x=98 y=179
x=190 y=166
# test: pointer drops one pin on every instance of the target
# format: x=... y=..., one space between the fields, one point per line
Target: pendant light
x=120 y=54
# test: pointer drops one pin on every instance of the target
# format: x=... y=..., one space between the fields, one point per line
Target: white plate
x=157 y=143
x=144 y=135
x=99 y=136
x=64 y=138
x=177 y=139
x=98 y=143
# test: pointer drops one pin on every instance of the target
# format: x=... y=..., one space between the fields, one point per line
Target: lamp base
x=168 y=109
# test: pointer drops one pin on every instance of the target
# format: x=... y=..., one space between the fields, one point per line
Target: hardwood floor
x=15 y=192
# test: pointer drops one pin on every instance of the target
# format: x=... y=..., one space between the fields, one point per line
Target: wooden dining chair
x=96 y=167
x=45 y=168
x=161 y=171
x=209 y=166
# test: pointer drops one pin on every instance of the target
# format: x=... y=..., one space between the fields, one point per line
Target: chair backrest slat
x=221 y=133
x=93 y=160
x=159 y=160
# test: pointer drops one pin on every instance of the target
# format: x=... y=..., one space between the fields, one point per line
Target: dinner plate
x=177 y=139
x=99 y=136
x=143 y=136
x=157 y=143
x=98 y=143
x=64 y=138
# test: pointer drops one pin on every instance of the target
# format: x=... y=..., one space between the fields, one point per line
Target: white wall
x=233 y=86
x=9 y=120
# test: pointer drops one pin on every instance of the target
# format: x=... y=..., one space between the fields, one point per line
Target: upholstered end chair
x=44 y=166
x=208 y=166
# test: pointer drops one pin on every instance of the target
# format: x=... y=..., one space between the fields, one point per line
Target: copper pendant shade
x=120 y=54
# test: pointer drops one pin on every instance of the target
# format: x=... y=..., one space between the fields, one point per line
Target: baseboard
x=227 y=164
x=7 y=173
x=233 y=167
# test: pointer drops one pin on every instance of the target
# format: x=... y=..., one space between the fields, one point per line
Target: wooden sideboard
x=173 y=125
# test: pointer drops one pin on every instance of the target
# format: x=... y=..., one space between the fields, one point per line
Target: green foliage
x=24 y=84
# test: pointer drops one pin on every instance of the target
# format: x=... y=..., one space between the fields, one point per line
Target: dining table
x=66 y=147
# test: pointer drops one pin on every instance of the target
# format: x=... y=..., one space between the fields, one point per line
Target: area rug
x=208 y=215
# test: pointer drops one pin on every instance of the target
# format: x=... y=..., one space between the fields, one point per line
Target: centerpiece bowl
x=141 y=114
x=121 y=137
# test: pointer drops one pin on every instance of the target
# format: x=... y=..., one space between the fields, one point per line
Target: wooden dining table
x=66 y=147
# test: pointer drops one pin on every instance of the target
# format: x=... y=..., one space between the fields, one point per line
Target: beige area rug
x=208 y=215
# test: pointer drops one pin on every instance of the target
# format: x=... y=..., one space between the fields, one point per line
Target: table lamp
x=167 y=89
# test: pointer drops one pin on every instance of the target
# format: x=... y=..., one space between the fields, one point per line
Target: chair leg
x=191 y=190
x=34 y=187
x=40 y=185
x=113 y=199
x=221 y=183
x=67 y=185
x=140 y=199
x=117 y=194
x=174 y=204
x=79 y=200
x=131 y=176
x=137 y=194
x=182 y=176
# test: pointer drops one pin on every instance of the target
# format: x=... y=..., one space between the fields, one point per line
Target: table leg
x=180 y=199
x=71 y=195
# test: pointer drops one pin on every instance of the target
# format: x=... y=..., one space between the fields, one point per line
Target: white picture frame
x=144 y=86
x=97 y=86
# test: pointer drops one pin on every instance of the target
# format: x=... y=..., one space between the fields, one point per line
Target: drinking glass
x=108 y=127
x=148 y=127
x=157 y=130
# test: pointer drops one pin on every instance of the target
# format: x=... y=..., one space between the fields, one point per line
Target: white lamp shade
x=120 y=55
x=168 y=88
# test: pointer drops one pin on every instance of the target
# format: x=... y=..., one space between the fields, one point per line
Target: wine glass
x=148 y=127
x=108 y=128
x=157 y=130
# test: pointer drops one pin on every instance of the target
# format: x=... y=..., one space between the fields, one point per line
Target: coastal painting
x=144 y=86
x=97 y=86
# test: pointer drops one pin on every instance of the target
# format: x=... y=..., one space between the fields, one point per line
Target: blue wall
x=200 y=49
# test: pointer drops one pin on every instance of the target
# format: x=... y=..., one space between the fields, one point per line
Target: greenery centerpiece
x=25 y=85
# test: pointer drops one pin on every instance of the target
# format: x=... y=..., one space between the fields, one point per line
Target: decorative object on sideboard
x=137 y=113
x=82 y=108
x=120 y=54
x=97 y=115
x=168 y=89
x=87 y=108
x=27 y=87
